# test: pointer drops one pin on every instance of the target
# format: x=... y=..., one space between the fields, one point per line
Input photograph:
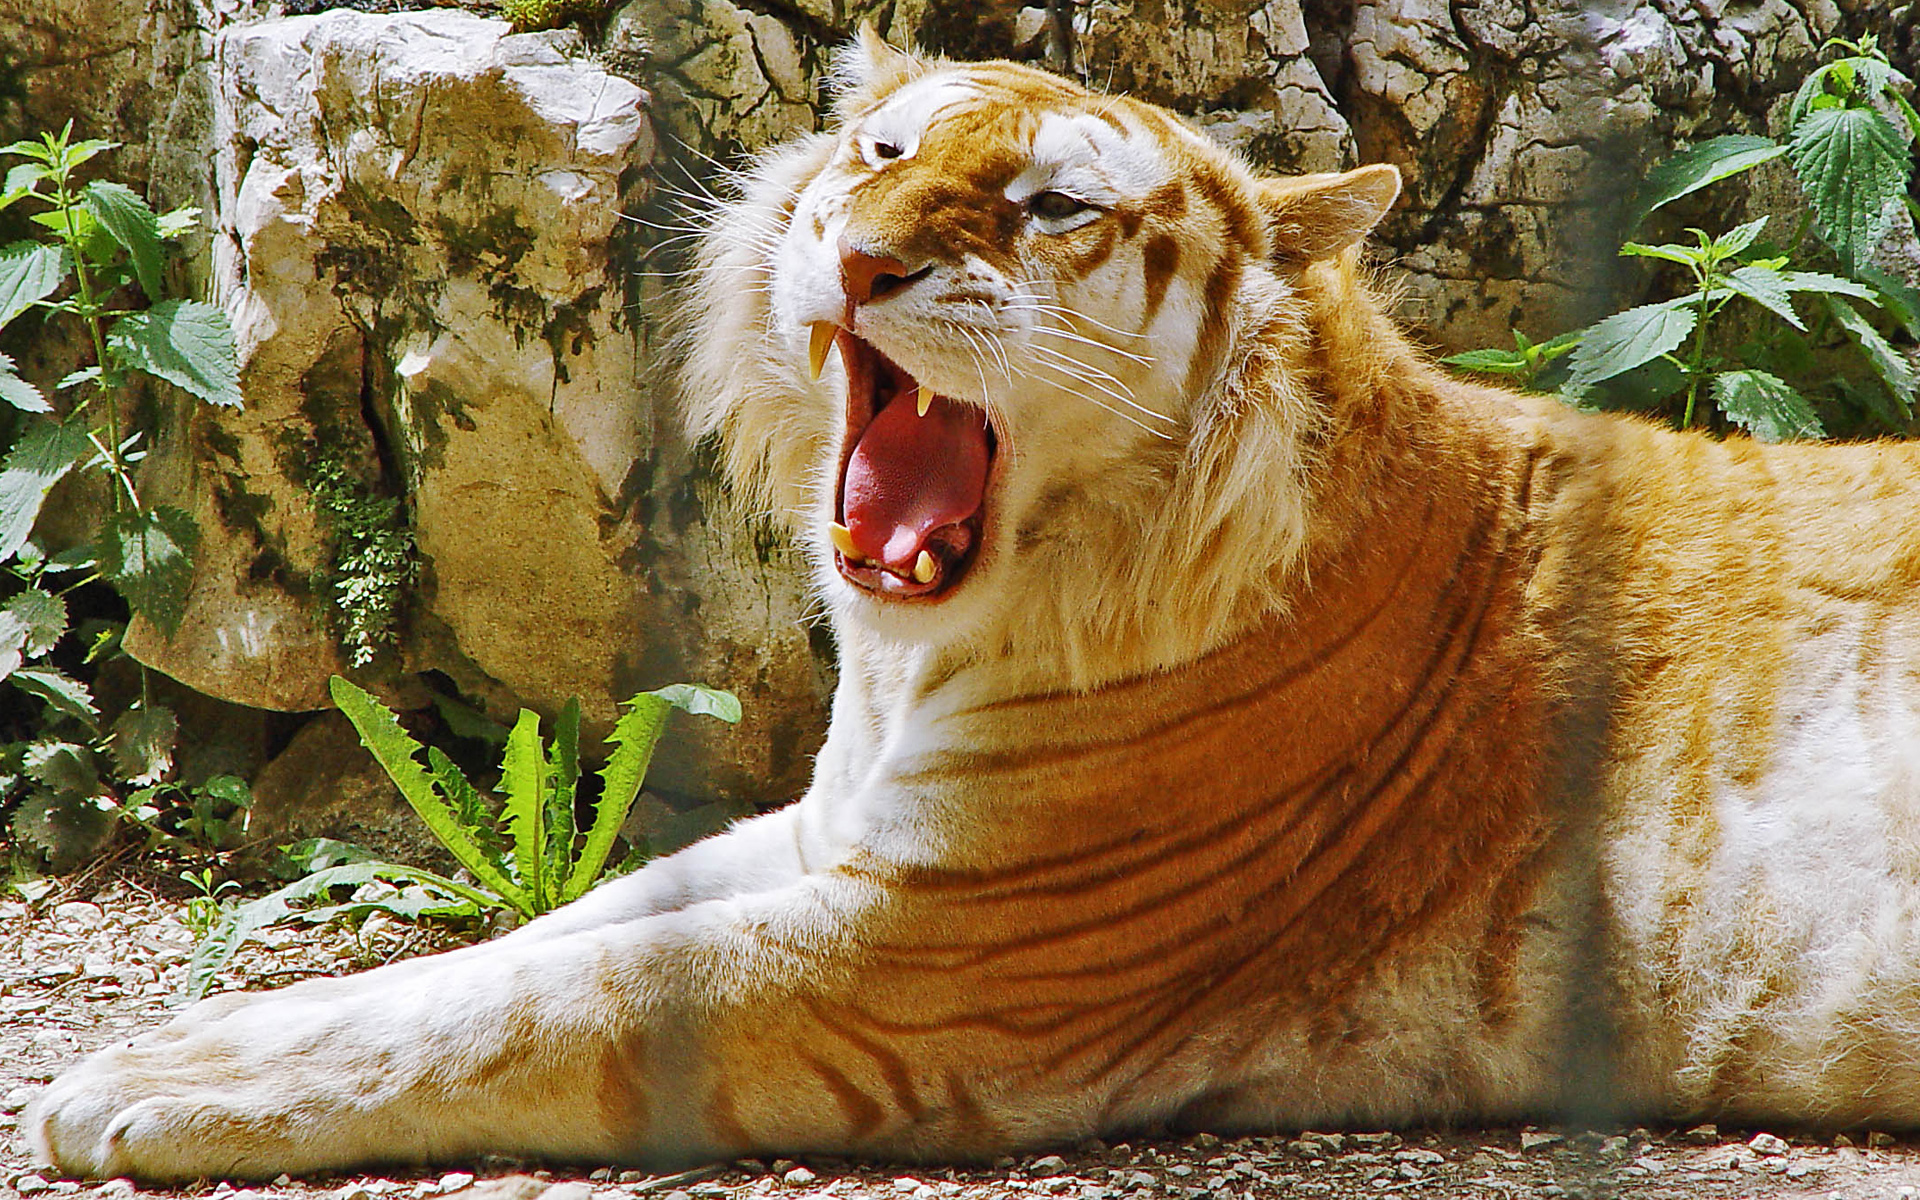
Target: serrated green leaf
x=1852 y=165
x=563 y=774
x=62 y=692
x=1627 y=339
x=44 y=454
x=83 y=375
x=29 y=272
x=126 y=216
x=41 y=617
x=390 y=745
x=1701 y=164
x=22 y=395
x=66 y=766
x=1686 y=256
x=1736 y=240
x=22 y=176
x=142 y=744
x=1888 y=363
x=1766 y=288
x=1899 y=298
x=1765 y=406
x=1832 y=285
x=634 y=736
x=177 y=221
x=65 y=827
x=148 y=556
x=1490 y=362
x=186 y=343
x=523 y=777
x=469 y=808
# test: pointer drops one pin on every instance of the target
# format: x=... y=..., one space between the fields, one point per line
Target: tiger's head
x=1019 y=362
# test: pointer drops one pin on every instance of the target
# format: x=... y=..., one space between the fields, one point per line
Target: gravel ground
x=80 y=970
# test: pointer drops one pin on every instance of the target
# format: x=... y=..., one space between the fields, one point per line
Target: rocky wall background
x=416 y=225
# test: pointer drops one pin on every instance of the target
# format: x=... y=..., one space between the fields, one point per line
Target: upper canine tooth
x=923 y=567
x=842 y=539
x=822 y=340
x=922 y=403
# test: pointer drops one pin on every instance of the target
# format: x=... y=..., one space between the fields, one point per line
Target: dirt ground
x=102 y=960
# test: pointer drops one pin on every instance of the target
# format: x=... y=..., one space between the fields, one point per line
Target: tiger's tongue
x=912 y=475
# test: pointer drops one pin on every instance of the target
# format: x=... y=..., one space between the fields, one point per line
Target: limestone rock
x=325 y=784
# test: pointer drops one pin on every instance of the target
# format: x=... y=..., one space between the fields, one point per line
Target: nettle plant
x=98 y=262
x=1768 y=369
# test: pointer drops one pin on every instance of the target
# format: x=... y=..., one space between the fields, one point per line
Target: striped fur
x=1314 y=740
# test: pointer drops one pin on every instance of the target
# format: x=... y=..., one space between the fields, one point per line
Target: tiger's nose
x=868 y=277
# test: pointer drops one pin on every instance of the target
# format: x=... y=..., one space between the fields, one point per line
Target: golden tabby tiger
x=1241 y=724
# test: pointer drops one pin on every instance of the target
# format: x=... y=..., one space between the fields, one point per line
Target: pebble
x=30 y=1185
x=78 y=912
x=1879 y=1140
x=1768 y=1144
x=16 y=1099
x=353 y=1191
x=453 y=1181
x=1419 y=1155
x=1701 y=1135
x=798 y=1177
x=574 y=1189
x=1533 y=1139
x=1052 y=1164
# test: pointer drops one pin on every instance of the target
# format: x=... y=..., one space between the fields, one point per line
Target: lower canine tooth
x=842 y=539
x=923 y=567
x=923 y=402
x=818 y=345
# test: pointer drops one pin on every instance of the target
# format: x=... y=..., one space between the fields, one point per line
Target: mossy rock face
x=417 y=216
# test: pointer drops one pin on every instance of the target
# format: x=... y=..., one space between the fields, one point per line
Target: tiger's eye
x=1056 y=206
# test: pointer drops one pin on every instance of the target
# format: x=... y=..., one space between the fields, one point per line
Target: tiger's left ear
x=1317 y=216
x=867 y=69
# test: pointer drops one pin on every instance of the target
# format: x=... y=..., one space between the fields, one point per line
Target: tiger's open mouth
x=910 y=510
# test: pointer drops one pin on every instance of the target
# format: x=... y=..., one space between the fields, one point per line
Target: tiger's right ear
x=866 y=69
x=1317 y=216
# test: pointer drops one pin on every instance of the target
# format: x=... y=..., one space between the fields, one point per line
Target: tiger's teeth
x=922 y=403
x=923 y=567
x=823 y=334
x=842 y=539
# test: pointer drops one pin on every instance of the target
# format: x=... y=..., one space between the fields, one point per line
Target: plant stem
x=1697 y=359
x=90 y=314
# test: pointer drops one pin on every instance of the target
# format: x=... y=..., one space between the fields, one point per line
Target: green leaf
x=563 y=774
x=186 y=343
x=1832 y=285
x=44 y=453
x=523 y=777
x=19 y=393
x=242 y=921
x=701 y=701
x=1686 y=256
x=633 y=739
x=29 y=272
x=465 y=721
x=1765 y=406
x=148 y=556
x=1701 y=164
x=41 y=618
x=1491 y=362
x=61 y=692
x=1888 y=363
x=469 y=809
x=142 y=744
x=1852 y=166
x=1736 y=240
x=381 y=734
x=1899 y=298
x=176 y=222
x=126 y=216
x=1851 y=82
x=1766 y=288
x=1627 y=339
